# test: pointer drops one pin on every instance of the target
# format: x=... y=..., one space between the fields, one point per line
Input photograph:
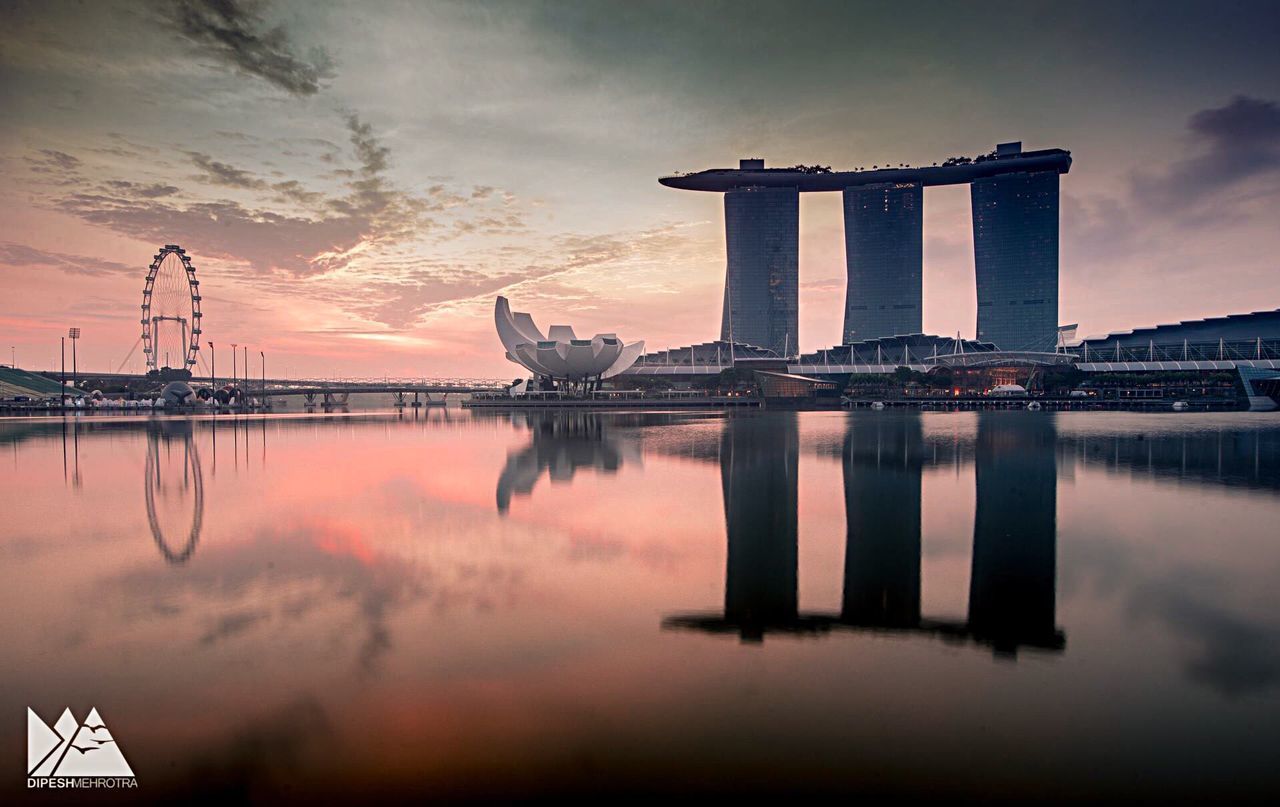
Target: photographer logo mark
x=74 y=754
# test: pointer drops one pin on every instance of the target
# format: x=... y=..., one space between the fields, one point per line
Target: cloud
x=1233 y=655
x=333 y=230
x=20 y=255
x=55 y=159
x=234 y=31
x=153 y=190
x=55 y=167
x=217 y=173
x=1238 y=142
x=1097 y=230
x=230 y=625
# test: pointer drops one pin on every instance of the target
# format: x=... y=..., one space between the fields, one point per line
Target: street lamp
x=63 y=342
x=213 y=367
x=264 y=373
x=233 y=364
x=74 y=333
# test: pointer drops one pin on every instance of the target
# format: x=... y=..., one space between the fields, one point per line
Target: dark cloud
x=230 y=625
x=373 y=210
x=292 y=191
x=19 y=255
x=234 y=31
x=371 y=154
x=1236 y=142
x=268 y=241
x=285 y=230
x=1233 y=655
x=140 y=190
x=217 y=173
x=56 y=159
x=55 y=167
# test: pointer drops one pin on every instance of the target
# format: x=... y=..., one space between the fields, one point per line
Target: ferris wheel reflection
x=174 y=487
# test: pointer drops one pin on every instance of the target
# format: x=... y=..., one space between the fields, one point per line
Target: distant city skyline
x=356 y=184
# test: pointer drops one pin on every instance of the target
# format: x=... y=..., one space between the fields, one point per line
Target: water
x=894 y=604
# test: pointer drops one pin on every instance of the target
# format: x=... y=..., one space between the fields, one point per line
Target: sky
x=356 y=182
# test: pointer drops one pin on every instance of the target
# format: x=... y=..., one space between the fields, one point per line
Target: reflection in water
x=758 y=459
x=1225 y=456
x=882 y=462
x=75 y=450
x=561 y=443
x=174 y=485
x=1011 y=588
x=1012 y=583
x=379 y=626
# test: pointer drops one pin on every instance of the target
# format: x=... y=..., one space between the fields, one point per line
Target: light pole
x=13 y=357
x=63 y=341
x=74 y=333
x=246 y=373
x=213 y=369
x=233 y=364
x=264 y=373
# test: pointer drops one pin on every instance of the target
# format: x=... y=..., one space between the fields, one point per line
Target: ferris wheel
x=171 y=311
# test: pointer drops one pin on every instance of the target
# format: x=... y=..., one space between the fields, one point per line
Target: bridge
x=312 y=386
x=324 y=391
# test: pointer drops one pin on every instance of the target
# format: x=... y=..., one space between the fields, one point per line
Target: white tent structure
x=561 y=355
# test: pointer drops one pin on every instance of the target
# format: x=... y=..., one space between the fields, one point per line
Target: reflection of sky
x=356 y=593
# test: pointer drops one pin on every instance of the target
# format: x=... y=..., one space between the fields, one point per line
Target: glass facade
x=762 y=242
x=1015 y=244
x=883 y=240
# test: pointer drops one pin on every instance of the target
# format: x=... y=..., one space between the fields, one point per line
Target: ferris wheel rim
x=191 y=346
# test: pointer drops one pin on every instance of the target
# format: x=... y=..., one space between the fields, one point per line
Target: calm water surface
x=893 y=604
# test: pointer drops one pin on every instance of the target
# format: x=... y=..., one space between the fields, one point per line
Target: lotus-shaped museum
x=561 y=355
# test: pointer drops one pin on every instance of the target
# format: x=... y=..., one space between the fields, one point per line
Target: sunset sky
x=356 y=182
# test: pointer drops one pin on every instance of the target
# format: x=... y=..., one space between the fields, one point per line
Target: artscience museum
x=560 y=359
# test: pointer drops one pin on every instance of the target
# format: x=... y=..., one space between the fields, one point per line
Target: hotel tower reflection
x=1013 y=577
x=758 y=464
x=882 y=464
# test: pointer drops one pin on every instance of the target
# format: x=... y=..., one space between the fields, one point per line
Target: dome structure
x=561 y=355
x=177 y=393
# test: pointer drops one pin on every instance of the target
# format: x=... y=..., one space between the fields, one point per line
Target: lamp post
x=263 y=356
x=233 y=364
x=74 y=333
x=246 y=374
x=213 y=370
x=63 y=341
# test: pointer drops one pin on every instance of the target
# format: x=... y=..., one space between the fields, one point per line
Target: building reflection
x=560 y=444
x=883 y=458
x=758 y=463
x=1233 y=457
x=1012 y=582
x=1012 y=590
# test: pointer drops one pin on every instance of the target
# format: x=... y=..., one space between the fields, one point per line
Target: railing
x=1221 y=350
